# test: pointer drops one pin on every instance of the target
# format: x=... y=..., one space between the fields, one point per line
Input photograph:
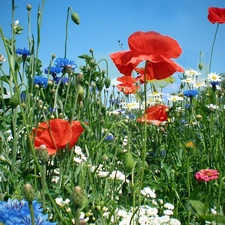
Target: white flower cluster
x=145 y=215
x=80 y=156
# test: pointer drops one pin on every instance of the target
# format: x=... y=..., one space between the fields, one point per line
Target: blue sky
x=104 y=22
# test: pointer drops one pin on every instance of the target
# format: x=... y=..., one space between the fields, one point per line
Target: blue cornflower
x=15 y=212
x=41 y=81
x=190 y=93
x=214 y=83
x=130 y=116
x=109 y=137
x=24 y=52
x=23 y=96
x=65 y=64
x=187 y=106
x=53 y=70
x=61 y=80
x=52 y=110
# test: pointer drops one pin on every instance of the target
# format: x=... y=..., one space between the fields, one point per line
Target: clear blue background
x=104 y=22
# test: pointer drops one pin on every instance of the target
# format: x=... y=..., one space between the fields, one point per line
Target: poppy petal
x=126 y=79
x=77 y=130
x=126 y=61
x=160 y=68
x=57 y=135
x=153 y=43
x=128 y=88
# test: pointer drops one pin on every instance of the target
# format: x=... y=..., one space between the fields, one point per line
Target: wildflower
x=216 y=15
x=128 y=85
x=61 y=203
x=213 y=77
x=191 y=72
x=190 y=145
x=174 y=98
x=153 y=47
x=56 y=134
x=212 y=107
x=109 y=137
x=169 y=206
x=2 y=59
x=207 y=175
x=156 y=114
x=17 y=212
x=41 y=81
x=132 y=105
x=24 y=52
x=53 y=70
x=148 y=192
x=190 y=93
x=188 y=80
x=61 y=80
x=65 y=64
x=168 y=212
x=199 y=85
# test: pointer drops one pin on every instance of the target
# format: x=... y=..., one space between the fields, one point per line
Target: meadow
x=75 y=149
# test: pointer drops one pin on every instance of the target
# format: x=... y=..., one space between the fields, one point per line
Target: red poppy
x=216 y=15
x=56 y=134
x=207 y=175
x=155 y=115
x=153 y=47
x=128 y=85
x=141 y=78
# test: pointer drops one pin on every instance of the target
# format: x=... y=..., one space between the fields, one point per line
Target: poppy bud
x=75 y=17
x=80 y=93
x=128 y=161
x=200 y=66
x=99 y=84
x=28 y=192
x=107 y=82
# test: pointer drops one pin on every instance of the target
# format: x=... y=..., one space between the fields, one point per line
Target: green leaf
x=213 y=218
x=5 y=79
x=85 y=56
x=199 y=207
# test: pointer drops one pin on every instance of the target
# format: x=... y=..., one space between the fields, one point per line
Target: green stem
x=67 y=19
x=214 y=40
x=43 y=183
x=31 y=208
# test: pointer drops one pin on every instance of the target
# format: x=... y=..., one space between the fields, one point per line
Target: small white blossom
x=169 y=206
x=148 y=192
x=168 y=212
x=61 y=203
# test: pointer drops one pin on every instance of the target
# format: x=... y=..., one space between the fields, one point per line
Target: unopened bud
x=75 y=17
x=200 y=66
x=28 y=7
x=128 y=161
x=42 y=154
x=77 y=197
x=28 y=192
